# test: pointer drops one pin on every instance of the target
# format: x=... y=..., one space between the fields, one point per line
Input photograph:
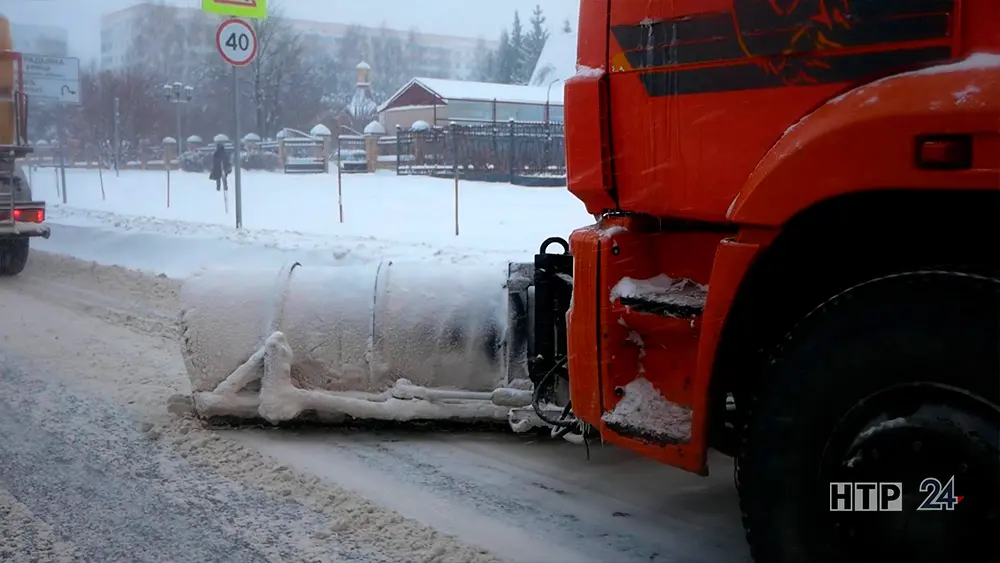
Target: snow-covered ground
x=385 y=216
x=91 y=358
x=93 y=467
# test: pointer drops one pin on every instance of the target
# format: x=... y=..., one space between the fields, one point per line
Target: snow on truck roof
x=480 y=92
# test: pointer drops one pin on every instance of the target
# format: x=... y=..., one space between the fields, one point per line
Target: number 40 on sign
x=236 y=41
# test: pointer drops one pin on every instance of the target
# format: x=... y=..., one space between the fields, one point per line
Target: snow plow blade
x=390 y=341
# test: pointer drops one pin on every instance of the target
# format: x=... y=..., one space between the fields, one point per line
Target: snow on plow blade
x=389 y=341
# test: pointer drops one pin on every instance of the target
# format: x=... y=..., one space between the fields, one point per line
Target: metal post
x=118 y=139
x=399 y=146
x=548 y=94
x=62 y=156
x=180 y=139
x=513 y=151
x=454 y=157
x=236 y=150
x=340 y=179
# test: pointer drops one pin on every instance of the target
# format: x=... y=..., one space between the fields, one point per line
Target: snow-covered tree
x=514 y=59
x=92 y=123
x=506 y=60
x=534 y=42
x=277 y=72
x=484 y=64
x=520 y=73
x=391 y=70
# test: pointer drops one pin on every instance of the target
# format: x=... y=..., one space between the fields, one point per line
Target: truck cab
x=796 y=261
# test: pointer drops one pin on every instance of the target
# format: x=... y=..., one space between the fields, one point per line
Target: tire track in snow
x=82 y=465
x=19 y=528
x=526 y=501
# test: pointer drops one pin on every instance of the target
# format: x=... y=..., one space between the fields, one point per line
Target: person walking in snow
x=221 y=167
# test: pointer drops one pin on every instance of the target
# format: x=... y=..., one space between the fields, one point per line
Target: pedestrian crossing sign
x=254 y=9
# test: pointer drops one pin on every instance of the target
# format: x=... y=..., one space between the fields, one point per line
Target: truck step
x=662 y=296
x=663 y=309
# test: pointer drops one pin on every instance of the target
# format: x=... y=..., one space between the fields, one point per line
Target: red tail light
x=25 y=215
x=952 y=152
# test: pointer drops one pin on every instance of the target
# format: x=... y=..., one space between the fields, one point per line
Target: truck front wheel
x=895 y=381
x=13 y=256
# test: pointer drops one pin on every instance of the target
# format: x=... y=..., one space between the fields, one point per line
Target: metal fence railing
x=523 y=153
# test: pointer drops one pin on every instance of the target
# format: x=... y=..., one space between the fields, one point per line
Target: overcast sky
x=473 y=18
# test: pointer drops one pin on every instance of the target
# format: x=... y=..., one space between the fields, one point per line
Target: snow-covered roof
x=374 y=128
x=169 y=141
x=362 y=105
x=220 y=138
x=481 y=92
x=194 y=139
x=557 y=61
x=320 y=130
x=420 y=125
x=364 y=66
x=251 y=138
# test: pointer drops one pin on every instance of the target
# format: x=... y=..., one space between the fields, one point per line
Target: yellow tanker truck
x=21 y=217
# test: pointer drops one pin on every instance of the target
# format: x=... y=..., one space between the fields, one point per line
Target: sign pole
x=118 y=140
x=62 y=155
x=166 y=164
x=454 y=156
x=340 y=181
x=236 y=151
x=237 y=43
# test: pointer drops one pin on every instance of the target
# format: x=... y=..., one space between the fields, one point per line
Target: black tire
x=925 y=339
x=13 y=256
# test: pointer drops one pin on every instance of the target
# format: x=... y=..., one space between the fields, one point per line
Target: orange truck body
x=699 y=129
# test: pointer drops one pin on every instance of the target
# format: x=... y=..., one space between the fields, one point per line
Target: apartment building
x=120 y=31
x=40 y=39
x=437 y=56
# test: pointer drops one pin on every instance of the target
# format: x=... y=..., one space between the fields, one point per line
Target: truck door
x=700 y=90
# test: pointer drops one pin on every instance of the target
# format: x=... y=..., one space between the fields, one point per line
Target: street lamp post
x=548 y=95
x=177 y=94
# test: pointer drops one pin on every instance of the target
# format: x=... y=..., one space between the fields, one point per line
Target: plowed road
x=93 y=467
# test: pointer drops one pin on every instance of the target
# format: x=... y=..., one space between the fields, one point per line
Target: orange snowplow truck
x=796 y=262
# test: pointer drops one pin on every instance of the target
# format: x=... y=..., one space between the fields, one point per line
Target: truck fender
x=866 y=139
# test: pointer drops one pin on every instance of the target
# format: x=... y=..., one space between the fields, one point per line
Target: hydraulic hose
x=537 y=395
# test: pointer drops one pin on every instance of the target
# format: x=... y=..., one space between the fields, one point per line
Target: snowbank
x=295 y=217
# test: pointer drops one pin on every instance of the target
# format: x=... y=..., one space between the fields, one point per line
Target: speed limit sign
x=236 y=42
